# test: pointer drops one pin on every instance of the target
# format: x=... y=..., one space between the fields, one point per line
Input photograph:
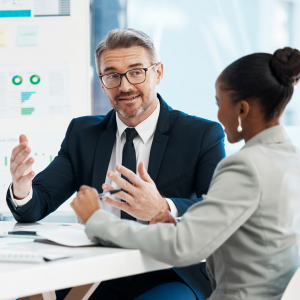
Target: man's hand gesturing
x=143 y=200
x=21 y=169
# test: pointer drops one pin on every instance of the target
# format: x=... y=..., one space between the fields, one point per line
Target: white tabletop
x=87 y=265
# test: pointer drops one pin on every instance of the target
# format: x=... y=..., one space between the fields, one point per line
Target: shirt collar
x=145 y=129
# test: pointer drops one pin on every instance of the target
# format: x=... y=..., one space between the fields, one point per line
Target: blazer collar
x=104 y=149
x=163 y=120
x=160 y=140
x=272 y=135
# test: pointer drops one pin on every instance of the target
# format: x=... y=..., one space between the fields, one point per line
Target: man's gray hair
x=125 y=38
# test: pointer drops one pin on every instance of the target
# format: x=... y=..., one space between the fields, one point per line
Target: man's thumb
x=23 y=138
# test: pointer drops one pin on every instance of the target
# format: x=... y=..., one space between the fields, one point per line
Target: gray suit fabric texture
x=247 y=226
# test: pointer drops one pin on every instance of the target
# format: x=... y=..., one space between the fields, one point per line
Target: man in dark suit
x=180 y=153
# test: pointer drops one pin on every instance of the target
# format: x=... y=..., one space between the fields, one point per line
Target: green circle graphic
x=17 y=80
x=35 y=79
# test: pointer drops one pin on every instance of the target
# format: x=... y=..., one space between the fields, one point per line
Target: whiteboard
x=44 y=77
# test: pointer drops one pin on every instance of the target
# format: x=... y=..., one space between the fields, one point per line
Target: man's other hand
x=143 y=200
x=164 y=217
x=86 y=203
x=21 y=169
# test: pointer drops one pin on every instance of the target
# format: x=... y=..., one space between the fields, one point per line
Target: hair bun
x=286 y=66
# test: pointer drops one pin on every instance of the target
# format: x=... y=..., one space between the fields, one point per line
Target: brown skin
x=86 y=203
x=253 y=122
x=163 y=217
x=249 y=111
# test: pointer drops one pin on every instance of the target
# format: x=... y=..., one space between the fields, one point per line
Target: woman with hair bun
x=248 y=225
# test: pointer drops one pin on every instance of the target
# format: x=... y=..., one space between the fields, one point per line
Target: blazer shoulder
x=242 y=161
x=87 y=121
x=187 y=120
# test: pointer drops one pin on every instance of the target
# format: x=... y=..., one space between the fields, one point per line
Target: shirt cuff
x=19 y=203
x=173 y=208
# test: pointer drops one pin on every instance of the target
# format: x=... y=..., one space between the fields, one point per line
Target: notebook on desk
x=66 y=237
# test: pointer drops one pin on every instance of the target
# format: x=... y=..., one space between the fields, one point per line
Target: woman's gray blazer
x=247 y=226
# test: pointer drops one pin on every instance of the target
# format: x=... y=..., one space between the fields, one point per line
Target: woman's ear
x=243 y=109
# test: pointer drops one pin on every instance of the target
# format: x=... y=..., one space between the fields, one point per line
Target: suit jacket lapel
x=104 y=150
x=160 y=140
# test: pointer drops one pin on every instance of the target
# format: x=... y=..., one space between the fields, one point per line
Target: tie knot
x=131 y=133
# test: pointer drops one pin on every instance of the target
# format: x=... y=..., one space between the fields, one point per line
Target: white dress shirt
x=142 y=144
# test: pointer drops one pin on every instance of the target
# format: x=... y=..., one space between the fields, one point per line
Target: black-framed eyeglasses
x=135 y=76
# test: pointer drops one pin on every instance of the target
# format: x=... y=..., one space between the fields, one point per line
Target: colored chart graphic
x=26 y=96
x=15 y=13
x=17 y=80
x=35 y=79
x=27 y=111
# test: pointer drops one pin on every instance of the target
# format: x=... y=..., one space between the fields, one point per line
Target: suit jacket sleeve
x=211 y=153
x=51 y=187
x=232 y=199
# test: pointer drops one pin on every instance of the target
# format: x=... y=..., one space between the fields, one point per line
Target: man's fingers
x=122 y=183
x=125 y=196
x=23 y=138
x=118 y=204
x=107 y=187
x=27 y=178
x=130 y=175
x=17 y=150
x=24 y=168
x=21 y=158
x=143 y=173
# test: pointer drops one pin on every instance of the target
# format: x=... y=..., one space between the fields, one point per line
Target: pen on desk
x=108 y=193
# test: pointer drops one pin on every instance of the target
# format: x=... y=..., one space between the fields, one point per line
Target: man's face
x=130 y=100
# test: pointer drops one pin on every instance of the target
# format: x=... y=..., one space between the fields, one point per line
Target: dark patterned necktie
x=129 y=161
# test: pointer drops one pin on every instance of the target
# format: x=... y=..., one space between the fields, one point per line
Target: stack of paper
x=67 y=237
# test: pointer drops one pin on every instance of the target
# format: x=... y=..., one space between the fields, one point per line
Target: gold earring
x=240 y=129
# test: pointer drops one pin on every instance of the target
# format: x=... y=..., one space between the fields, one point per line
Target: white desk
x=88 y=265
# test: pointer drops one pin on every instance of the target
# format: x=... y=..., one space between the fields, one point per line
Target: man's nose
x=125 y=85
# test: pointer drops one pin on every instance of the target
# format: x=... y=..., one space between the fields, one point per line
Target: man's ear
x=159 y=72
x=243 y=109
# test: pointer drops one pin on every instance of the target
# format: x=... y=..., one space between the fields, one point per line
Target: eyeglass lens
x=134 y=76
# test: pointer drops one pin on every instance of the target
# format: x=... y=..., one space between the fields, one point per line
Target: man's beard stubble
x=134 y=113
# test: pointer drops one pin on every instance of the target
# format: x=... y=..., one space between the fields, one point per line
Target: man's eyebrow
x=109 y=69
x=130 y=66
x=136 y=65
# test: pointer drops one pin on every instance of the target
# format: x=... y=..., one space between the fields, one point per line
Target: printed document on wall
x=40 y=88
x=16 y=8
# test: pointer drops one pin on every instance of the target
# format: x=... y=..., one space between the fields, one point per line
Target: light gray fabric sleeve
x=232 y=198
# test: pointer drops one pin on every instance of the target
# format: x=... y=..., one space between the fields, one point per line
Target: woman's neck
x=258 y=127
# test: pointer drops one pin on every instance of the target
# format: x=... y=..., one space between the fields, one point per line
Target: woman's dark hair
x=266 y=77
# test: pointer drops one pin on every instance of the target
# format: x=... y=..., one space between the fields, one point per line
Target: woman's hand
x=163 y=217
x=86 y=203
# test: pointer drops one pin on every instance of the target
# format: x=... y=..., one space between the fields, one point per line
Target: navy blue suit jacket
x=184 y=154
